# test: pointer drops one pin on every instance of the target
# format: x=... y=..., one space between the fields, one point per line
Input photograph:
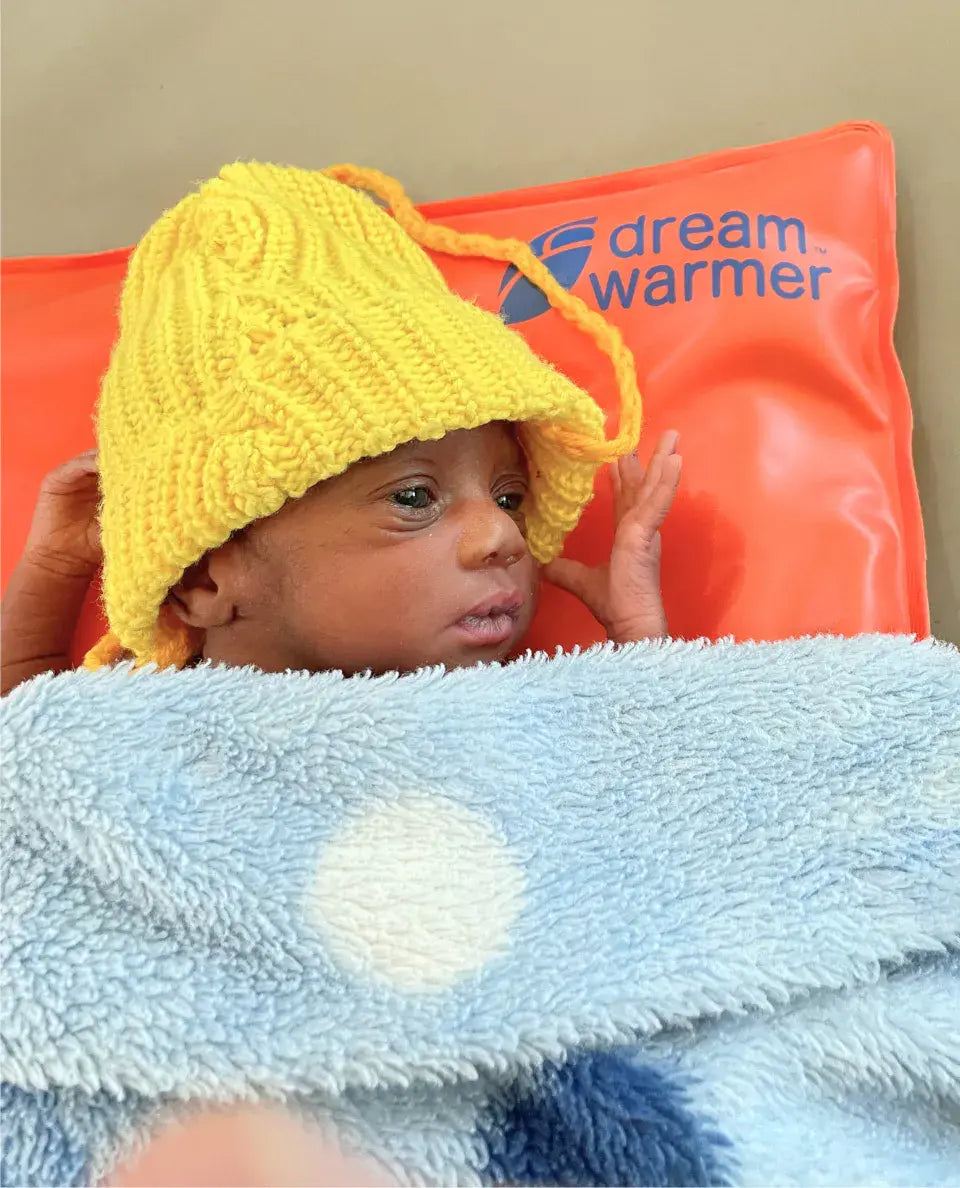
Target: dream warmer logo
x=565 y=250
x=672 y=260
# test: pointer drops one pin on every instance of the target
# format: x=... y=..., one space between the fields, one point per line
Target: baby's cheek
x=532 y=584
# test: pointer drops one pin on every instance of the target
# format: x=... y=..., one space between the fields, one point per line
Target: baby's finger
x=631 y=476
x=582 y=581
x=85 y=463
x=660 y=498
x=68 y=475
x=666 y=446
x=617 y=491
x=572 y=576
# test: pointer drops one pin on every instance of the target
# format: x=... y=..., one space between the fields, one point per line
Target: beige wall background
x=113 y=108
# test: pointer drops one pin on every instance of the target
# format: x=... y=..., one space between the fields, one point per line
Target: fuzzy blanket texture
x=669 y=914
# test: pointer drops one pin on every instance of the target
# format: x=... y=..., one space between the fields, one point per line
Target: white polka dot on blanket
x=418 y=892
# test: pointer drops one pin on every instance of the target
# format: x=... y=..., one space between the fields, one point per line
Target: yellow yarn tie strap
x=174 y=646
x=574 y=309
x=108 y=650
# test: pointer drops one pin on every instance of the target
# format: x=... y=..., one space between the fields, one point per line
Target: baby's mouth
x=492 y=622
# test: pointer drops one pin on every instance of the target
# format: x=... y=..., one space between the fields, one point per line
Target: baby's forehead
x=495 y=443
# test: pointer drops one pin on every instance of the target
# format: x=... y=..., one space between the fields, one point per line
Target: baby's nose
x=490 y=537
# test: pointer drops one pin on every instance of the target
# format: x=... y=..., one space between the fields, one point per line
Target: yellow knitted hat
x=276 y=327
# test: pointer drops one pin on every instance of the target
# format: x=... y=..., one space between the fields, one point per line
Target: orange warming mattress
x=757 y=289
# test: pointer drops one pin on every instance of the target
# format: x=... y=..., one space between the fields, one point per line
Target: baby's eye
x=417 y=498
x=511 y=501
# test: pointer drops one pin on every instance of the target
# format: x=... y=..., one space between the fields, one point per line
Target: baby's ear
x=199 y=600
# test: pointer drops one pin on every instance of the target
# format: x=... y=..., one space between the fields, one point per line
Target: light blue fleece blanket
x=669 y=914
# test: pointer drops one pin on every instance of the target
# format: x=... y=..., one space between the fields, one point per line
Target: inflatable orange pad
x=757 y=289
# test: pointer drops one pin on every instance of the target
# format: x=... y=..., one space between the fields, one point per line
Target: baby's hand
x=624 y=595
x=64 y=537
x=45 y=593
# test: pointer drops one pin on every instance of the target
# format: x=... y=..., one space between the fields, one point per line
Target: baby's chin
x=459 y=656
x=461 y=659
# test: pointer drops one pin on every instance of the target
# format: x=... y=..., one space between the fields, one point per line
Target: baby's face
x=414 y=558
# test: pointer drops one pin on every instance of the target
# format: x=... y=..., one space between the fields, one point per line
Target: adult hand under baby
x=624 y=595
x=244 y=1146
